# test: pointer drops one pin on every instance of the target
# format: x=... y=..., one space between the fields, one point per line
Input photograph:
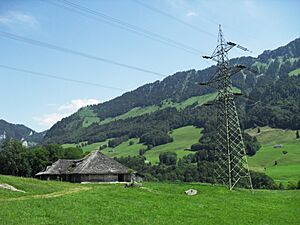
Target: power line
x=185 y=23
x=59 y=77
x=99 y=16
x=74 y=52
x=174 y=18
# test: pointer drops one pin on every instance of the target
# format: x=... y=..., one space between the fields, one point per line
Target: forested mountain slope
x=19 y=132
x=172 y=102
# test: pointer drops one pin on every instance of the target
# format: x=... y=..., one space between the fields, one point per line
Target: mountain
x=177 y=101
x=19 y=132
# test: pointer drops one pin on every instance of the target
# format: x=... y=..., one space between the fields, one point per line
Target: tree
x=71 y=153
x=251 y=144
x=13 y=160
x=155 y=137
x=38 y=159
x=168 y=158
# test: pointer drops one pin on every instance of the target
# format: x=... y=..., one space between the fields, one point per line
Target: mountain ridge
x=19 y=132
x=182 y=86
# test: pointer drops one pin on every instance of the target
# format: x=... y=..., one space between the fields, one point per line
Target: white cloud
x=191 y=14
x=62 y=111
x=13 y=18
x=76 y=104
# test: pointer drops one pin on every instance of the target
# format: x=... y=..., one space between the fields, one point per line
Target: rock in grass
x=9 y=187
x=191 y=192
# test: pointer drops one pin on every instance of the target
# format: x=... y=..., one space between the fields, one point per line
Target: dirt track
x=50 y=195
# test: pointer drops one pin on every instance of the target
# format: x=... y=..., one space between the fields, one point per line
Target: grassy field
x=87 y=148
x=288 y=165
x=154 y=203
x=295 y=72
x=89 y=116
x=125 y=149
x=183 y=137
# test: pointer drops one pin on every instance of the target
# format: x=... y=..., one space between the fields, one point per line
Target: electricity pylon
x=232 y=165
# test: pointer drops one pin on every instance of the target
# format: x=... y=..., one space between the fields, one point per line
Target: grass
x=183 y=138
x=154 y=203
x=294 y=72
x=88 y=148
x=125 y=149
x=288 y=165
x=89 y=117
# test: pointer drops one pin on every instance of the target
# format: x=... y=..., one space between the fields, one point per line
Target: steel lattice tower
x=232 y=167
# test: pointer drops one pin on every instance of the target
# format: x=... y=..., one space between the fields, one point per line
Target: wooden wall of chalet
x=77 y=178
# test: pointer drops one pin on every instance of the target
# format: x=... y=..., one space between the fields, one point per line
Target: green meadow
x=287 y=157
x=183 y=138
x=51 y=202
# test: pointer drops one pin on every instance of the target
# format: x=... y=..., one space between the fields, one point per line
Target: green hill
x=288 y=165
x=154 y=203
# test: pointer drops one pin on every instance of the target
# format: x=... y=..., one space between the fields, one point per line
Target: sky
x=38 y=102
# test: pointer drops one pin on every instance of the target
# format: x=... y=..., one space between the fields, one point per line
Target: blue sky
x=39 y=102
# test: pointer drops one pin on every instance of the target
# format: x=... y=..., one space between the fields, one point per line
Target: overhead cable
x=74 y=52
x=58 y=77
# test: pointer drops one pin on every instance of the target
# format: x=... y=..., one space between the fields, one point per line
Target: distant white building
x=3 y=136
x=25 y=144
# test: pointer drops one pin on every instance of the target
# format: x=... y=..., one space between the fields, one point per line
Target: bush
x=291 y=186
x=281 y=186
x=117 y=141
x=155 y=138
x=102 y=147
x=262 y=181
x=168 y=158
x=251 y=144
x=142 y=152
x=71 y=153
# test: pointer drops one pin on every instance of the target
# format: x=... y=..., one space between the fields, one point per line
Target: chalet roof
x=94 y=163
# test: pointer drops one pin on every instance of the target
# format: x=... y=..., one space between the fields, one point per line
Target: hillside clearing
x=294 y=72
x=288 y=165
x=154 y=203
x=183 y=138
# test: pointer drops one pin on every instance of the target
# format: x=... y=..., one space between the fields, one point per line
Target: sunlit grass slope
x=183 y=138
x=288 y=165
x=154 y=203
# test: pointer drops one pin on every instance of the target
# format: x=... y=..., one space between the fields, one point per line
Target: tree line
x=17 y=160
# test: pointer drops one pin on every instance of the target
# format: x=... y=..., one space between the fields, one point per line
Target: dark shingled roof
x=94 y=163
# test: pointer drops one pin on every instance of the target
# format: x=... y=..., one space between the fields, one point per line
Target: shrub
x=168 y=158
x=155 y=138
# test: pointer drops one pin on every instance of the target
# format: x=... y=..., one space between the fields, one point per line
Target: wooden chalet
x=95 y=167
